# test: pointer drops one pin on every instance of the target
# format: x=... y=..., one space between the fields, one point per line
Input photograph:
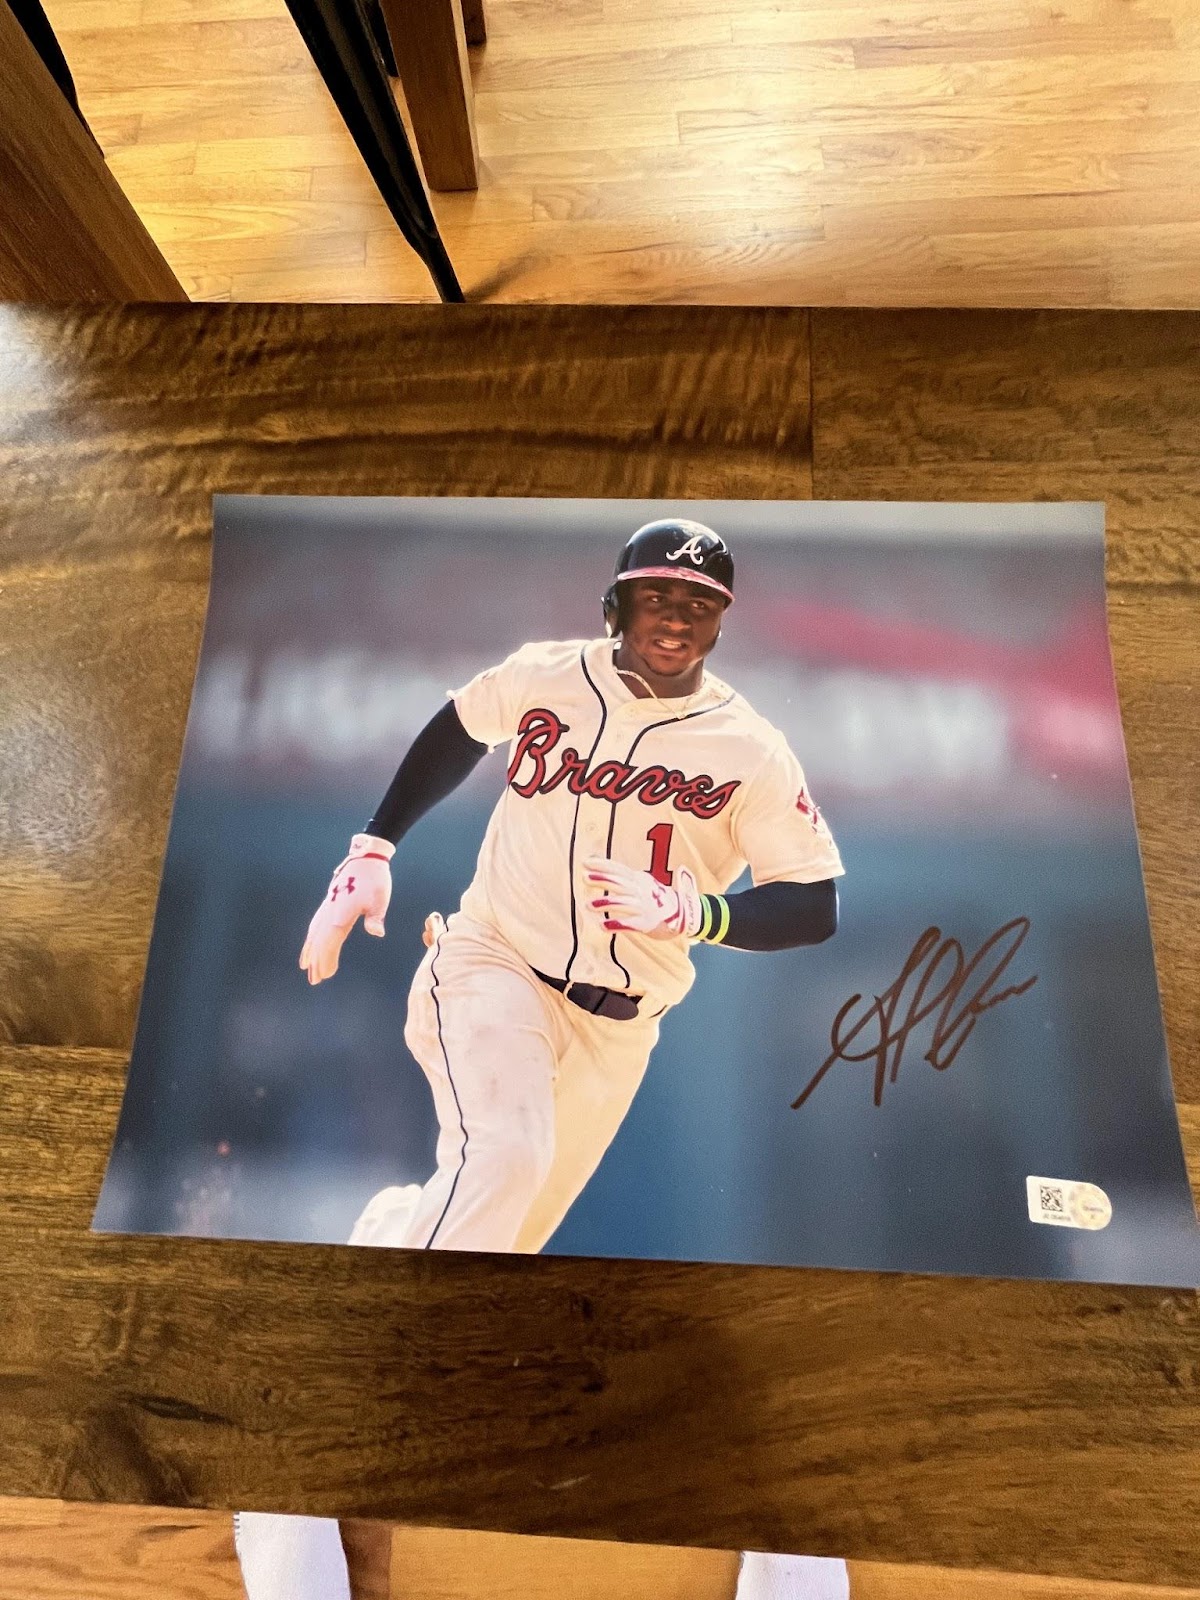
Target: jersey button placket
x=594 y=818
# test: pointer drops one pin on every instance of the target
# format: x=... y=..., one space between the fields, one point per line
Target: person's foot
x=386 y=1216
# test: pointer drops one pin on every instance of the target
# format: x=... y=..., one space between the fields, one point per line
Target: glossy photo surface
x=970 y=1076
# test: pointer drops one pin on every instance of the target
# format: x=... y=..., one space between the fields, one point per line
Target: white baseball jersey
x=595 y=771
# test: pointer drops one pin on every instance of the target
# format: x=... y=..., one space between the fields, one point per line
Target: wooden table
x=1028 y=1426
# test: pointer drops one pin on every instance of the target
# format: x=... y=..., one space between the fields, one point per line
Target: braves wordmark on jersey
x=593 y=770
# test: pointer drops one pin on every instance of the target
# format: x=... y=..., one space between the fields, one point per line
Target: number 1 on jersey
x=660 y=837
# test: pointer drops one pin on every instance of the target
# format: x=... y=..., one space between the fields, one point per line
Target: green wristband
x=714 y=920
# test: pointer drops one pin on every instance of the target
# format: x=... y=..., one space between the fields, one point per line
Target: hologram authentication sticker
x=1064 y=1203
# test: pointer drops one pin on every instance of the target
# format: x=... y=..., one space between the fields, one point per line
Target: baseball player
x=638 y=788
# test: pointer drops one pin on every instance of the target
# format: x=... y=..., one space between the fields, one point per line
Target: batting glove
x=635 y=902
x=361 y=887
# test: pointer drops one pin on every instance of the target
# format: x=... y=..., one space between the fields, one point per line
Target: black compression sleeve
x=438 y=760
x=775 y=916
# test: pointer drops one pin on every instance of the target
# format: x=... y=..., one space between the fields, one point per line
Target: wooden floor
x=50 y=1550
x=824 y=152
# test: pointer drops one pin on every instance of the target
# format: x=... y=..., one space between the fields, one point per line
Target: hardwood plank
x=530 y=126
x=687 y=69
x=165 y=55
x=166 y=175
x=154 y=162
x=51 y=1550
x=777 y=202
x=1024 y=217
x=250 y=107
x=871 y=1581
x=342 y=253
x=204 y=285
x=491 y=202
x=711 y=263
x=115 y=131
x=1022 y=44
x=770 y=152
x=73 y=14
x=521 y=17
x=261 y=220
x=859 y=20
x=288 y=152
x=437 y=1564
x=557 y=33
x=342 y=285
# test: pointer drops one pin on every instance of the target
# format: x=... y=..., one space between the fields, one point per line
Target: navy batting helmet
x=672 y=548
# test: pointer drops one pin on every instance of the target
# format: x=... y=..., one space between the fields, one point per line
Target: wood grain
x=959 y=155
x=881 y=1417
x=50 y=1550
x=67 y=231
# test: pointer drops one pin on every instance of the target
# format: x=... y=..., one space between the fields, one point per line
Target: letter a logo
x=693 y=549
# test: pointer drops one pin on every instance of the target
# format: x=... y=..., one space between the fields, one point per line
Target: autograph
x=961 y=1000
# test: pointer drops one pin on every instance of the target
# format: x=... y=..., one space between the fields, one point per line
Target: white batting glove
x=361 y=887
x=635 y=902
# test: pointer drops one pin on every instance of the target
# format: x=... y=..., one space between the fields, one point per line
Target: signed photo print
x=701 y=881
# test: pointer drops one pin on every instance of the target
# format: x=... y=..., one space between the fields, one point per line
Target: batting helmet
x=671 y=548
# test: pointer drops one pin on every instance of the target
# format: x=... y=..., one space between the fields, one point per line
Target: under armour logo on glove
x=634 y=902
x=361 y=887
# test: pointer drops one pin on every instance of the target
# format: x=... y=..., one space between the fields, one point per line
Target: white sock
x=290 y=1558
x=301 y=1558
x=768 y=1577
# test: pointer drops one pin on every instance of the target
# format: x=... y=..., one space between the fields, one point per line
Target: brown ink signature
x=962 y=999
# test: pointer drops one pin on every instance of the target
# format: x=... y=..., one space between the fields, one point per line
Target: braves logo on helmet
x=693 y=549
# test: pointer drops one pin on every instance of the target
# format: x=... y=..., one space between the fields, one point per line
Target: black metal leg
x=340 y=41
x=374 y=15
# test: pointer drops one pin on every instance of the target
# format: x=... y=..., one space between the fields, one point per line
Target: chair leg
x=430 y=47
x=474 y=21
x=339 y=40
x=374 y=15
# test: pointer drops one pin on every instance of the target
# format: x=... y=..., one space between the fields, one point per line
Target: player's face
x=670 y=627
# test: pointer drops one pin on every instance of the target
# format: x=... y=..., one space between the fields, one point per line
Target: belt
x=613 y=1003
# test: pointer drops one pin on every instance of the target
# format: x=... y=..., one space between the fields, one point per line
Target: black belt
x=591 y=997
